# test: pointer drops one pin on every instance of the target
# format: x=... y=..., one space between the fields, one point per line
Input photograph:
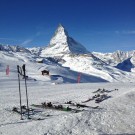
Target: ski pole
x=23 y=67
x=19 y=91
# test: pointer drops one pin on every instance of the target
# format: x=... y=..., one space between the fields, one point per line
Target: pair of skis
x=22 y=72
x=78 y=105
x=64 y=107
x=56 y=107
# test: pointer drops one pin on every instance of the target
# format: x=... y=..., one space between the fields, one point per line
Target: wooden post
x=7 y=70
x=79 y=78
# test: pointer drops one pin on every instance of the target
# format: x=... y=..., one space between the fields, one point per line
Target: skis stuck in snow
x=22 y=72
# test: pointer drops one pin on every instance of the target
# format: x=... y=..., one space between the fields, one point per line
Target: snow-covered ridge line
x=116 y=57
x=13 y=48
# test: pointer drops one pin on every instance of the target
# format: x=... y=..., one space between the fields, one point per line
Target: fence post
x=79 y=78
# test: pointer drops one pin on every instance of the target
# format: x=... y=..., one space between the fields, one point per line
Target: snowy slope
x=61 y=44
x=66 y=68
x=93 y=66
x=114 y=116
x=35 y=50
x=58 y=74
x=92 y=69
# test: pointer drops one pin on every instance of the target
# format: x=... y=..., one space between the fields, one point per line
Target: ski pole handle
x=19 y=70
x=23 y=68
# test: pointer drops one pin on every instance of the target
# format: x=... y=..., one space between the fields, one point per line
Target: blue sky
x=100 y=25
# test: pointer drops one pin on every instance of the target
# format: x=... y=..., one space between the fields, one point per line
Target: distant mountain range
x=12 y=48
x=115 y=57
x=64 y=50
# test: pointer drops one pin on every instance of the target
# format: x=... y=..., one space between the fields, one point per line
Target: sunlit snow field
x=115 y=115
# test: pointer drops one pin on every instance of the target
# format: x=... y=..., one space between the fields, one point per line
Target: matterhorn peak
x=61 y=44
x=60 y=26
x=61 y=29
x=60 y=35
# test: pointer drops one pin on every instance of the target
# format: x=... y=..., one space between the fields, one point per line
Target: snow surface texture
x=114 y=116
x=93 y=66
x=58 y=74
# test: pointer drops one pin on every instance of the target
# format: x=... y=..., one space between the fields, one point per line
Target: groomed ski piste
x=115 y=114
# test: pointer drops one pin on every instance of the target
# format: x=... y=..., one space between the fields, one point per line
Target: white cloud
x=26 y=42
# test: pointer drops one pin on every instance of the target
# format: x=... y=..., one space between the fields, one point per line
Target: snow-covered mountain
x=35 y=50
x=67 y=62
x=92 y=65
x=126 y=65
x=58 y=73
x=115 y=57
x=92 y=69
x=13 y=48
x=68 y=58
x=61 y=44
x=112 y=115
